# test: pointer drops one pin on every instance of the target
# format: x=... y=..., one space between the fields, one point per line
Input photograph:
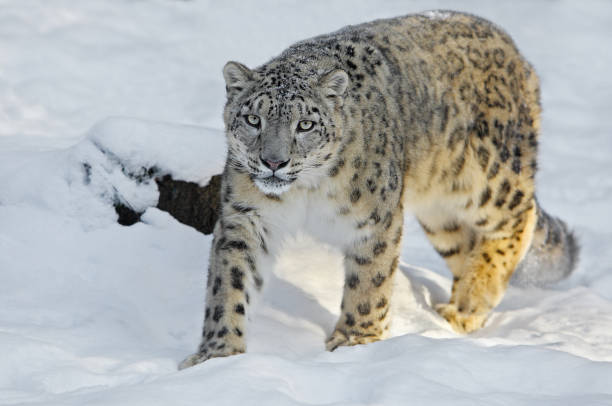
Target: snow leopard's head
x=283 y=123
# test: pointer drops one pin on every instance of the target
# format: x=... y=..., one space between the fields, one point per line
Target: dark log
x=188 y=202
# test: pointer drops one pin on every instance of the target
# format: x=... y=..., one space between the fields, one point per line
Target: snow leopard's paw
x=461 y=322
x=339 y=338
x=202 y=356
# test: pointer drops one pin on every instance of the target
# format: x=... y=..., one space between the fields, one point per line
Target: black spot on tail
x=573 y=250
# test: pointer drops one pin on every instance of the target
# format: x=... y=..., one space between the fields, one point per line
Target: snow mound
x=187 y=152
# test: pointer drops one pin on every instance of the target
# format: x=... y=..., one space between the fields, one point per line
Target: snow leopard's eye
x=305 y=125
x=252 y=120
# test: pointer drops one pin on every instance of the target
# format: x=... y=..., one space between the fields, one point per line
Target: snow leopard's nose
x=274 y=165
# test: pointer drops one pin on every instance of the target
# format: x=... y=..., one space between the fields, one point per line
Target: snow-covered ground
x=94 y=313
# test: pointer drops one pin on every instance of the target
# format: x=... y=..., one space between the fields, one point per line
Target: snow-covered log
x=140 y=164
x=191 y=204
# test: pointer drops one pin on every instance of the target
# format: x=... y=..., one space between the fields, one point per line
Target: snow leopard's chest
x=310 y=212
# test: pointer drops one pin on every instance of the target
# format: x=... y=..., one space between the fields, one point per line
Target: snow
x=436 y=14
x=95 y=313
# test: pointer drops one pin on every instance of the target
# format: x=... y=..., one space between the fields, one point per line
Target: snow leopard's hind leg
x=481 y=274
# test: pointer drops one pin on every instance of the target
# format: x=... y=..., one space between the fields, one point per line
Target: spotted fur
x=437 y=113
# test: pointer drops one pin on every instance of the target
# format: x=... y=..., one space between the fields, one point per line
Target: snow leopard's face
x=281 y=129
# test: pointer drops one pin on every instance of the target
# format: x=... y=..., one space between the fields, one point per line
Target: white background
x=93 y=313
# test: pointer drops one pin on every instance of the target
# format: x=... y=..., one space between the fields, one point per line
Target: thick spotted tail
x=552 y=256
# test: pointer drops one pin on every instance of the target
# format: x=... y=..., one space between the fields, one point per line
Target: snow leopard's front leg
x=369 y=269
x=232 y=275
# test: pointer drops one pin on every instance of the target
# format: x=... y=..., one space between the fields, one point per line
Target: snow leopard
x=437 y=114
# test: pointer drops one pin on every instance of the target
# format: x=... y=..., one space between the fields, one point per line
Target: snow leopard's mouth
x=272 y=184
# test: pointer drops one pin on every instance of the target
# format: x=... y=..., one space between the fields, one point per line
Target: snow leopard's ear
x=237 y=77
x=334 y=83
